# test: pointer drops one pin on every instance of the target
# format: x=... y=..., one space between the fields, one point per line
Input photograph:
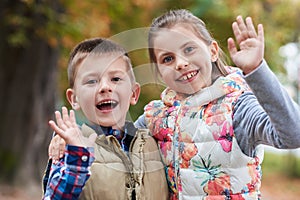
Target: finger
x=62 y=146
x=242 y=27
x=250 y=27
x=73 y=118
x=236 y=31
x=50 y=150
x=53 y=153
x=57 y=129
x=260 y=33
x=231 y=47
x=59 y=120
x=65 y=116
x=54 y=127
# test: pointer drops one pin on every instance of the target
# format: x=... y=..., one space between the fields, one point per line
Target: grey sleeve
x=268 y=115
x=140 y=122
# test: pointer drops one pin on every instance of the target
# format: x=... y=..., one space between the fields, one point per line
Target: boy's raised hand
x=250 y=53
x=67 y=128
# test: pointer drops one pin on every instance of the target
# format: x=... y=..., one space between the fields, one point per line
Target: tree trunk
x=28 y=80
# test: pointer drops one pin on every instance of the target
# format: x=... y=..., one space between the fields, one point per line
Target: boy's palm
x=67 y=128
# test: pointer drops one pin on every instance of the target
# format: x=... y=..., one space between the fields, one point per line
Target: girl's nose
x=181 y=63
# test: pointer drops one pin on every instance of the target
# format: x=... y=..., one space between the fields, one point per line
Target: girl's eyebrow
x=167 y=52
x=187 y=43
x=164 y=54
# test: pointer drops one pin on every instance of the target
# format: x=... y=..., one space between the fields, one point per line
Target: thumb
x=231 y=47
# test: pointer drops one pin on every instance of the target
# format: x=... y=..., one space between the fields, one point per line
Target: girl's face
x=183 y=59
x=103 y=90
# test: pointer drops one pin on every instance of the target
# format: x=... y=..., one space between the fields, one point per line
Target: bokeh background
x=36 y=37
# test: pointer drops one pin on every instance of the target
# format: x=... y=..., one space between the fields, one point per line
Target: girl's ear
x=214 y=51
x=136 y=90
x=72 y=99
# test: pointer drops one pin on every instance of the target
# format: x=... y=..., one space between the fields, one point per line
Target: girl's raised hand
x=250 y=53
x=67 y=128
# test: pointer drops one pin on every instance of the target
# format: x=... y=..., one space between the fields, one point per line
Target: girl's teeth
x=188 y=76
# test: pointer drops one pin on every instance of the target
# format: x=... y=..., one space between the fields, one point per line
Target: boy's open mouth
x=107 y=105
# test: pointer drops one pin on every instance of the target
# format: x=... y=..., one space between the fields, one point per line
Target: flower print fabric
x=198 y=146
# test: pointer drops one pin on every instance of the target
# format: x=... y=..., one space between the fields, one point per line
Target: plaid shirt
x=69 y=175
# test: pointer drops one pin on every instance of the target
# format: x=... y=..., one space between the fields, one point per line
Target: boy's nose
x=104 y=87
x=181 y=63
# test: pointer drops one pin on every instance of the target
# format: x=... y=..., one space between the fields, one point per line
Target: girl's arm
x=266 y=116
x=140 y=122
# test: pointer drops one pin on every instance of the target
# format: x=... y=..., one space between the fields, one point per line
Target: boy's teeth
x=107 y=102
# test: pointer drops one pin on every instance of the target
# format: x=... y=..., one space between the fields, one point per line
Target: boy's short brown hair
x=98 y=46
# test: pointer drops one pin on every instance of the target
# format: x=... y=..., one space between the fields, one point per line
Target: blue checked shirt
x=66 y=179
x=69 y=175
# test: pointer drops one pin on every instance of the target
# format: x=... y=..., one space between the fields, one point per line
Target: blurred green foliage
x=105 y=18
x=75 y=20
x=287 y=164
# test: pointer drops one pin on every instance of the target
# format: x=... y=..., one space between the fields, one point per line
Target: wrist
x=248 y=70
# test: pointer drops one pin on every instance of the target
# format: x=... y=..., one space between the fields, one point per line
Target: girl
x=212 y=119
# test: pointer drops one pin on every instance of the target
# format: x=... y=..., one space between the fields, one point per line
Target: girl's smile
x=189 y=76
x=184 y=60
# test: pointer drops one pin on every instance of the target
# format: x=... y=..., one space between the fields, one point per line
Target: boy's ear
x=214 y=50
x=72 y=99
x=136 y=90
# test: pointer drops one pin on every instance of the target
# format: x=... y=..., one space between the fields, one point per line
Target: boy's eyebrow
x=117 y=70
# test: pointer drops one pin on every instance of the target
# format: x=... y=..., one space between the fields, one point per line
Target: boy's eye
x=91 y=82
x=188 y=49
x=116 y=79
x=167 y=59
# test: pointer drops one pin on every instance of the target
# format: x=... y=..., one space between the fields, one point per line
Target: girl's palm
x=251 y=45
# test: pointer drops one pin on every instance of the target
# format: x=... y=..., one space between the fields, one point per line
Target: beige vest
x=117 y=176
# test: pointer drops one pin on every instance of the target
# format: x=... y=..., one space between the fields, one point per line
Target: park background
x=36 y=37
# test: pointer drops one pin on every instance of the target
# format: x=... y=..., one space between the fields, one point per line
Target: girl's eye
x=188 y=49
x=167 y=59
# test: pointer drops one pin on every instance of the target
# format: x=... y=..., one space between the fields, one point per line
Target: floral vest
x=202 y=157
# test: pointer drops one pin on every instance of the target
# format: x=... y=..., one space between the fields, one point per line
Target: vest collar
x=222 y=86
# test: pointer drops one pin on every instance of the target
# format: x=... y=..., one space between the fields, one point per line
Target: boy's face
x=103 y=90
x=183 y=59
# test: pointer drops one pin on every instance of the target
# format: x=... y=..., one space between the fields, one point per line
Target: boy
x=127 y=163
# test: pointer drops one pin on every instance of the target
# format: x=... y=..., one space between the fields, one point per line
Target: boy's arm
x=67 y=178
